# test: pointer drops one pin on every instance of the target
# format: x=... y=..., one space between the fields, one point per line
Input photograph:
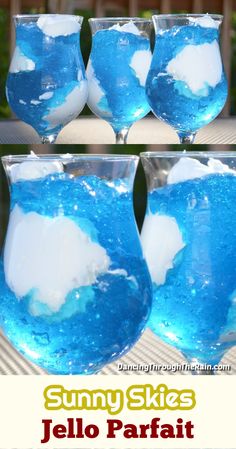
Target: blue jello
x=194 y=309
x=186 y=85
x=99 y=322
x=123 y=100
x=46 y=85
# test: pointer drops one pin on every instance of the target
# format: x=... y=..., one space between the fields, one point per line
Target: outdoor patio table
x=91 y=130
x=149 y=350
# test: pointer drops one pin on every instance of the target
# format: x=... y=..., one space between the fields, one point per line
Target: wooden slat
x=99 y=8
x=148 y=131
x=209 y=5
x=133 y=8
x=197 y=6
x=227 y=47
x=15 y=8
x=165 y=6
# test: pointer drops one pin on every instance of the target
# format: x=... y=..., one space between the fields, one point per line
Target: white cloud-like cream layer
x=50 y=256
x=161 y=241
x=189 y=168
x=70 y=109
x=20 y=63
x=60 y=25
x=199 y=66
x=140 y=63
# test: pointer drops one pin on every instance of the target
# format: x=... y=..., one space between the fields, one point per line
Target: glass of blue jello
x=75 y=289
x=117 y=71
x=46 y=85
x=189 y=241
x=186 y=86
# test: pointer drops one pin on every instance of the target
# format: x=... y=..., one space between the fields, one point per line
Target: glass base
x=49 y=139
x=122 y=136
x=186 y=139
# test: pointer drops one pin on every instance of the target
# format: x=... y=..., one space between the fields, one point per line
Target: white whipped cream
x=46 y=96
x=161 y=241
x=33 y=169
x=140 y=63
x=205 y=21
x=95 y=93
x=199 y=66
x=60 y=25
x=70 y=109
x=80 y=75
x=128 y=27
x=51 y=257
x=20 y=63
x=190 y=168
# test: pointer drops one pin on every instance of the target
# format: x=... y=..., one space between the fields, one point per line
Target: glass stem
x=122 y=136
x=49 y=139
x=187 y=139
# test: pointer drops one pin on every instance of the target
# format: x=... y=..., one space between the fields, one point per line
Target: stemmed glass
x=74 y=287
x=189 y=241
x=186 y=86
x=46 y=85
x=117 y=71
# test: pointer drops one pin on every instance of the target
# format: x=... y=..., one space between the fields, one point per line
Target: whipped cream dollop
x=20 y=62
x=46 y=96
x=161 y=240
x=128 y=27
x=96 y=94
x=189 y=168
x=58 y=25
x=33 y=168
x=70 y=108
x=69 y=258
x=140 y=63
x=199 y=66
x=205 y=21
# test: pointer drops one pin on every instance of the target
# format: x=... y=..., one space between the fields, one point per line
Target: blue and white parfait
x=74 y=286
x=186 y=85
x=117 y=70
x=46 y=85
x=189 y=242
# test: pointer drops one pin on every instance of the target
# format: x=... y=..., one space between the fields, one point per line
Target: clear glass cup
x=189 y=241
x=46 y=85
x=75 y=289
x=186 y=86
x=117 y=70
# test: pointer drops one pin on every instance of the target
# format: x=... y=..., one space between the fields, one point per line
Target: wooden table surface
x=93 y=131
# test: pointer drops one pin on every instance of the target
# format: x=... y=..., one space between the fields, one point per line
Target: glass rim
x=119 y=19
x=34 y=16
x=182 y=16
x=173 y=154
x=69 y=157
